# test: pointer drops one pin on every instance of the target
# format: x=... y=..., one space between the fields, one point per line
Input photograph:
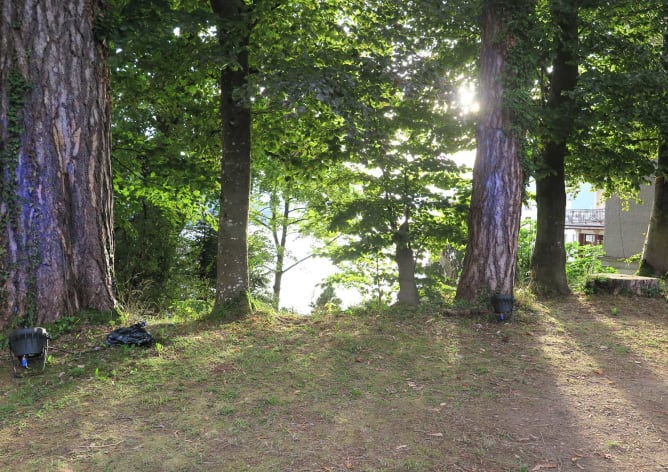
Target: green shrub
x=581 y=261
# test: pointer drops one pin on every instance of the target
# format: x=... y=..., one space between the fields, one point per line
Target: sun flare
x=467 y=98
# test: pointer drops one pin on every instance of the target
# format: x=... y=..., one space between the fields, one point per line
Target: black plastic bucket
x=502 y=304
x=28 y=341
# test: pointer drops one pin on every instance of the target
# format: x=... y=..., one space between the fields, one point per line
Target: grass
x=395 y=391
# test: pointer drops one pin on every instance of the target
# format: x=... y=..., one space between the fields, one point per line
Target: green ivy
x=9 y=151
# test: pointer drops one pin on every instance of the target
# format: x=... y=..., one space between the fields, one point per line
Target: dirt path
x=593 y=394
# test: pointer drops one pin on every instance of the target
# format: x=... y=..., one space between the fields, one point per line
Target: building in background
x=585 y=217
x=618 y=225
x=626 y=226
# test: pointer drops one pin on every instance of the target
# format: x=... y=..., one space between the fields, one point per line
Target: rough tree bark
x=548 y=261
x=496 y=199
x=56 y=242
x=232 y=281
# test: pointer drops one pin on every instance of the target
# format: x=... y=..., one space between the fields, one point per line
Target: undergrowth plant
x=584 y=260
x=581 y=260
x=525 y=245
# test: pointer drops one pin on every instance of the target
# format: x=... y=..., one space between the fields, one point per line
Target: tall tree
x=278 y=216
x=496 y=199
x=655 y=253
x=232 y=282
x=56 y=242
x=548 y=262
x=290 y=157
x=400 y=203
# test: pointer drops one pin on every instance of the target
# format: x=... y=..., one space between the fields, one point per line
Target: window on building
x=590 y=238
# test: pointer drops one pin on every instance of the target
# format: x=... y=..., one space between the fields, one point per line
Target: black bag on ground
x=135 y=335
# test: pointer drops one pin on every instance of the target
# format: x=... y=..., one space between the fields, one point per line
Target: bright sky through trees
x=301 y=285
x=466 y=96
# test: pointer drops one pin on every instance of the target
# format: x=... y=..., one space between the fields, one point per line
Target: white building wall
x=626 y=224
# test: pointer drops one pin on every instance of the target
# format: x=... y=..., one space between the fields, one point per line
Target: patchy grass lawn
x=575 y=384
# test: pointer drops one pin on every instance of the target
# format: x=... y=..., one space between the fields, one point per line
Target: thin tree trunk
x=232 y=281
x=548 y=262
x=408 y=292
x=490 y=260
x=280 y=244
x=56 y=243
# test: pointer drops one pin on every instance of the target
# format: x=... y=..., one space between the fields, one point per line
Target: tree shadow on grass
x=405 y=394
x=619 y=347
x=341 y=392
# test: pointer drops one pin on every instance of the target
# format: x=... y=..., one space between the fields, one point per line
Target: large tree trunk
x=496 y=200
x=56 y=192
x=548 y=262
x=408 y=292
x=232 y=281
x=655 y=253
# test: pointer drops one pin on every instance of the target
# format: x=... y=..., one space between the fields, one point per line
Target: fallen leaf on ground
x=538 y=467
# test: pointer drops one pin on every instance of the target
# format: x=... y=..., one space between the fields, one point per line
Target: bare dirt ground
x=575 y=384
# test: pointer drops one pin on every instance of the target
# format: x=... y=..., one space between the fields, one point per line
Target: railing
x=595 y=217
